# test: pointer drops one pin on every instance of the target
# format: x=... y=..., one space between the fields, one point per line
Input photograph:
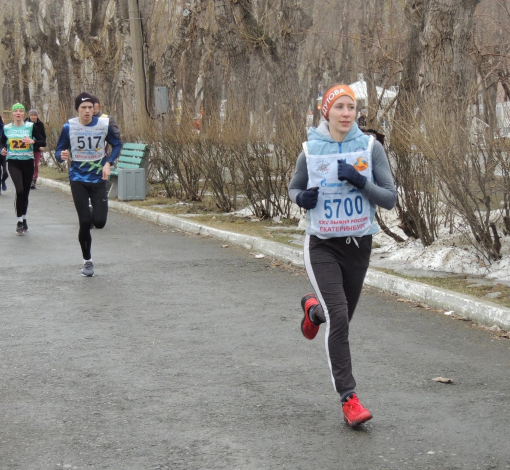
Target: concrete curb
x=480 y=311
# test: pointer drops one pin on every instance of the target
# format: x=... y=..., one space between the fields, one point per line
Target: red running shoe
x=354 y=412
x=308 y=327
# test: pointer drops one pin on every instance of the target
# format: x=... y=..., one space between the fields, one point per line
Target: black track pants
x=336 y=268
x=3 y=169
x=21 y=172
x=98 y=196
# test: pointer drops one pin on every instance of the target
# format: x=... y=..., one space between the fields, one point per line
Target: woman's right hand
x=64 y=155
x=308 y=199
x=4 y=152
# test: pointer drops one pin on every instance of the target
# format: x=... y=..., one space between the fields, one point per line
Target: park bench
x=132 y=157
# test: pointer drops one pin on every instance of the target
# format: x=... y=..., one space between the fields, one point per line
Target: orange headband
x=332 y=94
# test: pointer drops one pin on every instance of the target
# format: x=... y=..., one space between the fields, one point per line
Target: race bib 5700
x=342 y=210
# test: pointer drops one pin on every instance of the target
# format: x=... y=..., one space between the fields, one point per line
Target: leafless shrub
x=184 y=157
x=53 y=126
x=219 y=166
x=162 y=143
x=175 y=155
x=500 y=146
x=266 y=168
x=464 y=165
x=227 y=159
x=416 y=182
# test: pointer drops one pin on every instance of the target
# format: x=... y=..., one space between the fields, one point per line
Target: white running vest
x=342 y=210
x=88 y=142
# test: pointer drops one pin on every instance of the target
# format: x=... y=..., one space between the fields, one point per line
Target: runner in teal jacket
x=18 y=140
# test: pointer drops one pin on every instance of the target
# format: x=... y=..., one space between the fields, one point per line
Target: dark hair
x=379 y=136
x=95 y=99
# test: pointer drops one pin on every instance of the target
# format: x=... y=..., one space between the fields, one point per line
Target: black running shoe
x=25 y=226
x=19 y=228
x=4 y=186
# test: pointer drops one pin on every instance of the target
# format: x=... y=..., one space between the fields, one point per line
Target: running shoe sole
x=358 y=422
x=308 y=328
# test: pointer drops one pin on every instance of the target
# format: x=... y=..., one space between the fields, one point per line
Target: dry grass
x=461 y=284
x=53 y=173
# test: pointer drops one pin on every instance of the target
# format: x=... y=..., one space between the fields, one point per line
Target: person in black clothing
x=362 y=120
x=3 y=163
x=33 y=116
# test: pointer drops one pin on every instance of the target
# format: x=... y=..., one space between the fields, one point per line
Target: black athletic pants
x=21 y=172
x=98 y=196
x=336 y=268
x=3 y=169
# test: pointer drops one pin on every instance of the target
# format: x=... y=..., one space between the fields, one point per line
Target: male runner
x=83 y=140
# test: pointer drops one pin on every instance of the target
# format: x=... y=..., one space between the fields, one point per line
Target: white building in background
x=503 y=116
x=360 y=90
x=388 y=96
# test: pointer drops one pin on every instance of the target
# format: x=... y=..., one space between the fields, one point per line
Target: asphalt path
x=183 y=354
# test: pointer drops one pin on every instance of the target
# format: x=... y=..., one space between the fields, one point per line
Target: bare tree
x=55 y=39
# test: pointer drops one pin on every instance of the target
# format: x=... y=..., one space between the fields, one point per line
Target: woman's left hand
x=349 y=173
x=28 y=140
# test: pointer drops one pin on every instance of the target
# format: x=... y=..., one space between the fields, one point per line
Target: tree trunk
x=136 y=46
x=446 y=40
x=54 y=42
x=409 y=83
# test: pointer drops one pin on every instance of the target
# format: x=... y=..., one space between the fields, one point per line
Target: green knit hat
x=17 y=106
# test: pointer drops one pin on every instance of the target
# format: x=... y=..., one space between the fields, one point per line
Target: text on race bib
x=89 y=142
x=18 y=144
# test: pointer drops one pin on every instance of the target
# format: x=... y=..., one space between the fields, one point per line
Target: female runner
x=341 y=176
x=18 y=139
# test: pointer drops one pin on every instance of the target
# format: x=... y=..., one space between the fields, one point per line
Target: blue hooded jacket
x=320 y=141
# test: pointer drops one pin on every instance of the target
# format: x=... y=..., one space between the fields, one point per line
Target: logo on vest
x=322 y=167
x=325 y=184
x=361 y=164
